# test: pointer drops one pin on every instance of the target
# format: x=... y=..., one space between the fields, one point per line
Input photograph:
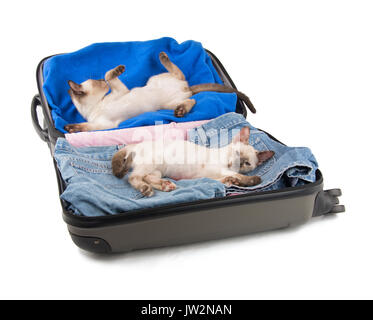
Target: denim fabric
x=92 y=189
x=289 y=167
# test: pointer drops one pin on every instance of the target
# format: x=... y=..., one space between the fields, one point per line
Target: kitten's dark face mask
x=246 y=158
x=88 y=92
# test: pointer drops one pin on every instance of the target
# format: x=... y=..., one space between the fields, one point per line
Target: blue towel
x=141 y=61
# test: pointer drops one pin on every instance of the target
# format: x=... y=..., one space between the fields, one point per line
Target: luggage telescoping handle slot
x=43 y=133
x=327 y=202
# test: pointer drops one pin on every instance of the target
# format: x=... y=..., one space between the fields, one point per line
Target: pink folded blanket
x=171 y=131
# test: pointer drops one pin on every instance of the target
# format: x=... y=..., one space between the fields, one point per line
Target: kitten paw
x=256 y=180
x=180 y=111
x=229 y=181
x=168 y=186
x=76 y=127
x=163 y=57
x=116 y=72
x=146 y=190
x=119 y=70
x=251 y=181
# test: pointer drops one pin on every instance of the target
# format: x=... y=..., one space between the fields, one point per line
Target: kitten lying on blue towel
x=167 y=90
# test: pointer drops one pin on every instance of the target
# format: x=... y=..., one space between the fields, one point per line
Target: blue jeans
x=289 y=167
x=92 y=189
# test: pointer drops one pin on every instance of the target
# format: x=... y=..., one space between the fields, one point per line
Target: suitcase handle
x=42 y=133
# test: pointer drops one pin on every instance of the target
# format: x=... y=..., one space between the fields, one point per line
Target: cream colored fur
x=152 y=160
x=168 y=90
x=104 y=111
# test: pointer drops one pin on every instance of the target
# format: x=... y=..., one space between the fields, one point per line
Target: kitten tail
x=221 y=88
x=122 y=164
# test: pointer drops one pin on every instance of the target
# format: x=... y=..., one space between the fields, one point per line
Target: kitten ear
x=76 y=88
x=264 y=156
x=243 y=136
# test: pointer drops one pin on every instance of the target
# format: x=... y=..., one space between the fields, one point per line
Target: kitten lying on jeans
x=168 y=90
x=177 y=160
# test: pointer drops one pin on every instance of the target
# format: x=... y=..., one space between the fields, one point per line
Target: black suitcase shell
x=193 y=221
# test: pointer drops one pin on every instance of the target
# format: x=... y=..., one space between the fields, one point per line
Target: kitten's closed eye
x=247 y=163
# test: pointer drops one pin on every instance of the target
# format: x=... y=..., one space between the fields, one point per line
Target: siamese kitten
x=168 y=90
x=186 y=160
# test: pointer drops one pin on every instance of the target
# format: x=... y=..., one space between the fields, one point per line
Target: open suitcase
x=193 y=221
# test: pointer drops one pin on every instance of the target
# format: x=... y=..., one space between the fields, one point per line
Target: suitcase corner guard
x=91 y=244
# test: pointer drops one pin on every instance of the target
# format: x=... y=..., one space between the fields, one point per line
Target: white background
x=308 y=67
